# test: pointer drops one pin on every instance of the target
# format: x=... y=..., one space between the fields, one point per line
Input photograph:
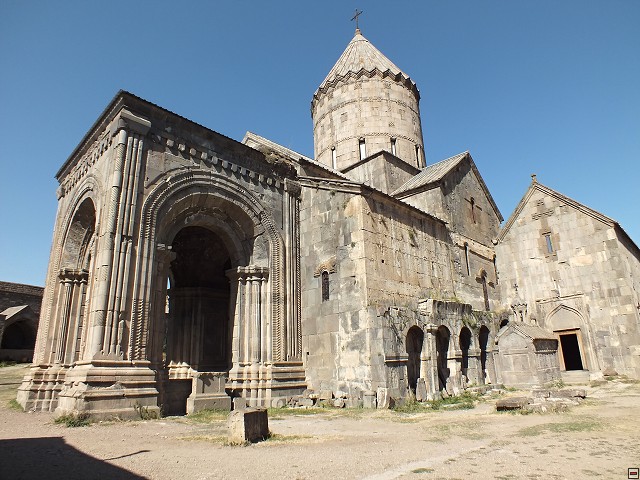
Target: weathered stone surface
x=609 y=372
x=305 y=402
x=369 y=399
x=325 y=395
x=421 y=390
x=239 y=403
x=248 y=425
x=382 y=399
x=512 y=403
x=570 y=393
x=339 y=403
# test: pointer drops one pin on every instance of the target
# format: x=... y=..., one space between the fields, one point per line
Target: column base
x=106 y=389
x=267 y=385
x=208 y=392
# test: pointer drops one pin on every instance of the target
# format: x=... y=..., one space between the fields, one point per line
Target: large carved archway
x=262 y=334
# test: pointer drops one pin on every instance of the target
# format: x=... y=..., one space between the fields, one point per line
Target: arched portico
x=247 y=243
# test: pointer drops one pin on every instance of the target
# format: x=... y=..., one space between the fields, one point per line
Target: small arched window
x=325 y=286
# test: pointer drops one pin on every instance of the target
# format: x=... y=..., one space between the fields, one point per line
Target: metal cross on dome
x=355 y=17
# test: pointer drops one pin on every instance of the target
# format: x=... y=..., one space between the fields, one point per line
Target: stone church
x=191 y=271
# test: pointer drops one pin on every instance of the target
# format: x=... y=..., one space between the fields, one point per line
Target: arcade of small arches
x=448 y=355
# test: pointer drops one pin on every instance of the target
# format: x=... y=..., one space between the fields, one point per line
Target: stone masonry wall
x=585 y=273
x=334 y=330
x=374 y=109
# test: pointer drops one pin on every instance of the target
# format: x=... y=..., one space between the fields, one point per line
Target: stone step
x=575 y=377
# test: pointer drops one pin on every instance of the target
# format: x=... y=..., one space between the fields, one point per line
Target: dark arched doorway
x=415 y=338
x=198 y=333
x=18 y=336
x=442 y=355
x=465 y=344
x=483 y=340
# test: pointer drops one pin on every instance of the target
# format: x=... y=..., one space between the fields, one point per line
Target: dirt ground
x=597 y=439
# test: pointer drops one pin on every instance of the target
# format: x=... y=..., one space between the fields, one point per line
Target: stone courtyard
x=597 y=439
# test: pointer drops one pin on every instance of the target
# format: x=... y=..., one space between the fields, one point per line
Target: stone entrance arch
x=574 y=350
x=415 y=340
x=144 y=191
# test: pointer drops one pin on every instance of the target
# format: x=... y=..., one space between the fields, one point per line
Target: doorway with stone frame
x=570 y=350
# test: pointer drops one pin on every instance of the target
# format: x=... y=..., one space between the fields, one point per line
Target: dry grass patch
x=582 y=425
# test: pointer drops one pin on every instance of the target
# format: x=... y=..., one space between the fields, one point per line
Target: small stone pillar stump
x=248 y=425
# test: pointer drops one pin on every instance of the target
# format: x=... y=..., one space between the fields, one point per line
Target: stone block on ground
x=571 y=393
x=305 y=402
x=369 y=399
x=382 y=398
x=339 y=403
x=325 y=395
x=421 y=390
x=248 y=425
x=609 y=372
x=512 y=403
x=541 y=393
x=239 y=403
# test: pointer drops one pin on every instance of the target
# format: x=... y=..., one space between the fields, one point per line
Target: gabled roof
x=538 y=187
x=362 y=58
x=530 y=331
x=432 y=175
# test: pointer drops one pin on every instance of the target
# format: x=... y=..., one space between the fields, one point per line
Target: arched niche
x=443 y=337
x=71 y=292
x=465 y=344
x=415 y=340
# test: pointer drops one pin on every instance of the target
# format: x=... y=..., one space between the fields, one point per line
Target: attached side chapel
x=188 y=269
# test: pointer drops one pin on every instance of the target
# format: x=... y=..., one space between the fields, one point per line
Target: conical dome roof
x=361 y=58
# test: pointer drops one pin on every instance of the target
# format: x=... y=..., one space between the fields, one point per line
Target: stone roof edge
x=536 y=186
x=400 y=193
x=292 y=154
x=117 y=103
x=23 y=288
x=527 y=331
x=357 y=187
x=328 y=85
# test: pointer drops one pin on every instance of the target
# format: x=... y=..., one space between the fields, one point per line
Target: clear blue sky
x=547 y=87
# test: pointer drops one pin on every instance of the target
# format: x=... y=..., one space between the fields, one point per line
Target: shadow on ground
x=52 y=458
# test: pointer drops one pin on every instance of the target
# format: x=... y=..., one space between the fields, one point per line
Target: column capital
x=250 y=272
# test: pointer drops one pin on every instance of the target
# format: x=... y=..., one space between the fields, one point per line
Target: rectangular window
x=363 y=150
x=325 y=286
x=549 y=244
x=418 y=156
x=393 y=147
x=334 y=158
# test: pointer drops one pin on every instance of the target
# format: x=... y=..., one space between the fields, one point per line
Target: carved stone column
x=429 y=359
x=72 y=285
x=250 y=328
